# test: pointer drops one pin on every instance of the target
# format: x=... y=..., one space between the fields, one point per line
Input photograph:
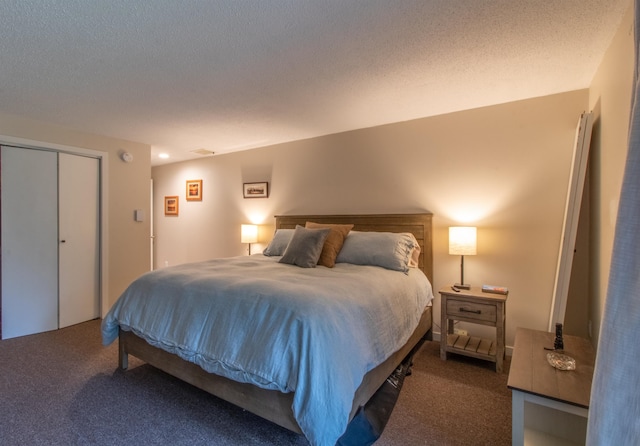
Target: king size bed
x=301 y=345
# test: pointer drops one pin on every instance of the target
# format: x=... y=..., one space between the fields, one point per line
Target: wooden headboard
x=417 y=224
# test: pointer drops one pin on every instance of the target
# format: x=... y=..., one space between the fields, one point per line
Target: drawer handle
x=464 y=310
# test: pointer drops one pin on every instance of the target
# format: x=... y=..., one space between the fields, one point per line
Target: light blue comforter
x=315 y=331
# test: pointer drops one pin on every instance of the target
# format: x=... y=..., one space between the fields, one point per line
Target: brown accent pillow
x=333 y=243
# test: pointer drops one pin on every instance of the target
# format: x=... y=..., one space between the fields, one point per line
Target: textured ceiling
x=227 y=75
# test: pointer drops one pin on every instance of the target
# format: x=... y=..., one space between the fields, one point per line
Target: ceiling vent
x=203 y=152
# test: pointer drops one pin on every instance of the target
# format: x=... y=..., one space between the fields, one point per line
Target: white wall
x=503 y=168
x=610 y=99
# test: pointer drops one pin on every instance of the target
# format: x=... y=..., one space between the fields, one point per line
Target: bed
x=285 y=403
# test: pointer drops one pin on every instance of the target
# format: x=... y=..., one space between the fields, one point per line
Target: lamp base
x=462 y=286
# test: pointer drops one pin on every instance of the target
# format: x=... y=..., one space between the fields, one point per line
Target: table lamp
x=249 y=235
x=462 y=242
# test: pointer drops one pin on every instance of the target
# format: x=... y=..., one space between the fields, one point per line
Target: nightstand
x=476 y=307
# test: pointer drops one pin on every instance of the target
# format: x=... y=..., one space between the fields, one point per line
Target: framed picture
x=194 y=190
x=171 y=205
x=256 y=190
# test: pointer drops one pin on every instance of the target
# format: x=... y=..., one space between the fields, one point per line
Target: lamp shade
x=462 y=240
x=249 y=234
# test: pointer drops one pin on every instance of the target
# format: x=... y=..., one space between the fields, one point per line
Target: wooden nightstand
x=556 y=401
x=477 y=307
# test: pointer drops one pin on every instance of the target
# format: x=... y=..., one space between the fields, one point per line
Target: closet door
x=29 y=241
x=79 y=216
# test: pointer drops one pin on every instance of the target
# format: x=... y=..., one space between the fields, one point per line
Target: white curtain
x=614 y=414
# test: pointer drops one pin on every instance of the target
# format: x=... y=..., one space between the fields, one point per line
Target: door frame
x=103 y=157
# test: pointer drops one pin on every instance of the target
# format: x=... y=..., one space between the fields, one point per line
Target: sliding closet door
x=29 y=242
x=79 y=216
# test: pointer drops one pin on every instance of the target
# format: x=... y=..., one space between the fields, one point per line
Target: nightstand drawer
x=471 y=310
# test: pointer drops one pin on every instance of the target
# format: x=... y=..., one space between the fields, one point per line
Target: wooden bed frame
x=273 y=405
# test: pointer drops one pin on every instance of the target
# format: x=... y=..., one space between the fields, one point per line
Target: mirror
x=571 y=219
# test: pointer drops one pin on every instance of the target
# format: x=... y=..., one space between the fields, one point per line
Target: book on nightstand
x=495 y=289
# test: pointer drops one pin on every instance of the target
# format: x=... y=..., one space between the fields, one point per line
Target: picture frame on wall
x=194 y=190
x=255 y=190
x=171 y=205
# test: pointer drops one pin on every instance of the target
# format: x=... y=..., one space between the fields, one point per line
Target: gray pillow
x=388 y=250
x=279 y=243
x=305 y=247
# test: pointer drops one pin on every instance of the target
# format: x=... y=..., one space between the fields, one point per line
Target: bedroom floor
x=63 y=387
x=461 y=401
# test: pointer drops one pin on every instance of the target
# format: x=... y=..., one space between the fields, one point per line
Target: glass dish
x=560 y=361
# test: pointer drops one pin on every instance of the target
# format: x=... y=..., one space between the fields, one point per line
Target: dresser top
x=531 y=372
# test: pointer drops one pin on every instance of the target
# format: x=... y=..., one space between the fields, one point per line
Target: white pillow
x=390 y=250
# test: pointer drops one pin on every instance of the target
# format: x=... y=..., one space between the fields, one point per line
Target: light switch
x=139 y=214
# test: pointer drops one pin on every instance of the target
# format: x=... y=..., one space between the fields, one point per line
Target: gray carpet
x=63 y=388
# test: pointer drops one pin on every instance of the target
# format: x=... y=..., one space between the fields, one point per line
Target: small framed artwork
x=171 y=205
x=256 y=190
x=194 y=190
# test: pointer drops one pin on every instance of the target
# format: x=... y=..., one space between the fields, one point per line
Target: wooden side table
x=476 y=307
x=556 y=401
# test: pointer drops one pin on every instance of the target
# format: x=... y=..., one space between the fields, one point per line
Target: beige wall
x=503 y=168
x=610 y=99
x=128 y=189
